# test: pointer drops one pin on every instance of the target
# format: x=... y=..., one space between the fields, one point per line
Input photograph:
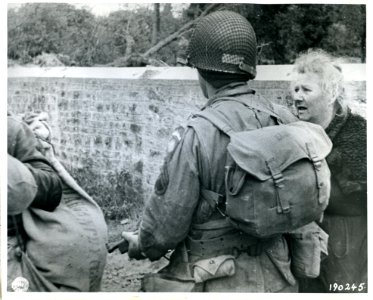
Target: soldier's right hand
x=134 y=250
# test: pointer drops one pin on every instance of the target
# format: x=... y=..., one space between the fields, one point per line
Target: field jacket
x=22 y=145
x=176 y=213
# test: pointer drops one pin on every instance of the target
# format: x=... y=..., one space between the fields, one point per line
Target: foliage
x=336 y=28
x=121 y=38
x=285 y=30
x=123 y=33
x=50 y=28
x=119 y=193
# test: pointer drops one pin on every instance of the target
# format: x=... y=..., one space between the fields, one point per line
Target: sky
x=104 y=9
x=99 y=8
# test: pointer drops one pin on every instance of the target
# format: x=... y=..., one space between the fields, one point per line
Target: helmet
x=223 y=41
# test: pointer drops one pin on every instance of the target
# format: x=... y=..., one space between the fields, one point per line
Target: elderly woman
x=318 y=92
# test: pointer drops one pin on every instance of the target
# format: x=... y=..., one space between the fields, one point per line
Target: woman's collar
x=339 y=119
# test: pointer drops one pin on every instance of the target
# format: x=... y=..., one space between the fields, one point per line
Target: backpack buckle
x=276 y=174
x=317 y=164
x=313 y=156
x=283 y=205
x=278 y=179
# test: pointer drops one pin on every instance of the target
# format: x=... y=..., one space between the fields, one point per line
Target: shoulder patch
x=175 y=140
x=161 y=183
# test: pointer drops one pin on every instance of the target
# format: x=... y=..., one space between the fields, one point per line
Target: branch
x=261 y=46
x=176 y=34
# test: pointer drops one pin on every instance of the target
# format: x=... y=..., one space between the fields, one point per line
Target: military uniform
x=22 y=145
x=178 y=216
x=59 y=222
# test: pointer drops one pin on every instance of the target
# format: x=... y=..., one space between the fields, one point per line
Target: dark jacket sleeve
x=22 y=145
x=348 y=166
x=168 y=213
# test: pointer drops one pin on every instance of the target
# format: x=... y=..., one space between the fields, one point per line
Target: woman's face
x=312 y=104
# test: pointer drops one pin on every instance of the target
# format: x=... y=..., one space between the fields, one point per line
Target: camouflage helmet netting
x=223 y=41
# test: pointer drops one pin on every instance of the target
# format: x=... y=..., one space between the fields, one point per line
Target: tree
x=156 y=23
x=153 y=34
x=50 y=28
x=177 y=33
x=347 y=35
x=131 y=31
x=338 y=29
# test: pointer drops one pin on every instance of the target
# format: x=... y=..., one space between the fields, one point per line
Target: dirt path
x=122 y=274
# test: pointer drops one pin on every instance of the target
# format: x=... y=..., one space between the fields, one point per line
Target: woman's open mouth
x=301 y=109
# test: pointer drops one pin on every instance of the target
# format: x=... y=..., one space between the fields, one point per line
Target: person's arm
x=24 y=148
x=347 y=197
x=22 y=187
x=168 y=213
x=348 y=166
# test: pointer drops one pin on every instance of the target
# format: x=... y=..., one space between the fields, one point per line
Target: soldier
x=31 y=178
x=56 y=231
x=210 y=254
x=32 y=182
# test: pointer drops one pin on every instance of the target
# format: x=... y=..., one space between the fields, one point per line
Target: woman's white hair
x=327 y=67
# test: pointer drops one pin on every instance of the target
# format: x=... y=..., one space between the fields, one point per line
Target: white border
x=215 y=296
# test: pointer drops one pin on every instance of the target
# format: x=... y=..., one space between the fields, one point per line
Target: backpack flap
x=285 y=144
x=278 y=173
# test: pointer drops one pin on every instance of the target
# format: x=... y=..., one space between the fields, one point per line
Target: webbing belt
x=213 y=225
x=229 y=244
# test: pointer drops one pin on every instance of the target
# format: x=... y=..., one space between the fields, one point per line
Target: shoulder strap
x=219 y=123
x=215 y=199
x=216 y=121
x=266 y=109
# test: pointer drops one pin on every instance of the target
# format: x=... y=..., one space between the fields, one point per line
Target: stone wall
x=111 y=126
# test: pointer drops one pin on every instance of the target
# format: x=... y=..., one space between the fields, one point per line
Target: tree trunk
x=156 y=24
x=176 y=34
x=363 y=35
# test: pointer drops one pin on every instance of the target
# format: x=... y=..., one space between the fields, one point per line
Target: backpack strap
x=20 y=241
x=223 y=126
x=216 y=121
x=316 y=161
x=264 y=108
x=283 y=205
x=214 y=199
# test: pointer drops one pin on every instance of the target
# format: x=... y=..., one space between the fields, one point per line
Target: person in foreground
x=32 y=182
x=180 y=214
x=56 y=231
x=318 y=92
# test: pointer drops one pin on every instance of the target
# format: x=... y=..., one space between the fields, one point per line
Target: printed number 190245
x=335 y=287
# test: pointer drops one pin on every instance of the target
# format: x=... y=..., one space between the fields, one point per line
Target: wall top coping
x=352 y=72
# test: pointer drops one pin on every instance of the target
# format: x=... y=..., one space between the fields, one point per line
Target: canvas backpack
x=276 y=177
